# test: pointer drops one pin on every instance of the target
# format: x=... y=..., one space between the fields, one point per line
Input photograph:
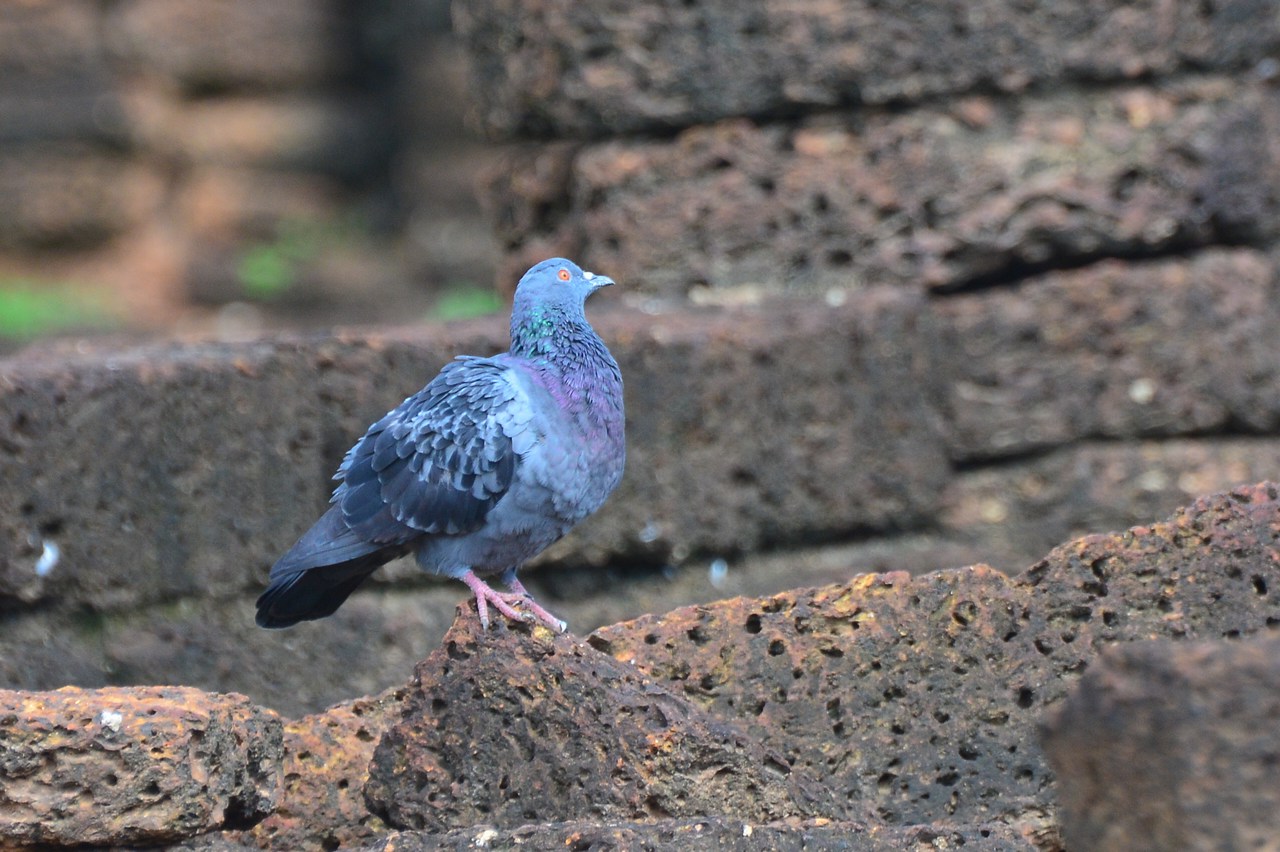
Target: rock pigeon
x=479 y=471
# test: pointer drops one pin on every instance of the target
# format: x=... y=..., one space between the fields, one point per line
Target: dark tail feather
x=318 y=573
x=313 y=592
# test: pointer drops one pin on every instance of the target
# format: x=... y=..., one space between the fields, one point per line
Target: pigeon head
x=557 y=283
x=548 y=316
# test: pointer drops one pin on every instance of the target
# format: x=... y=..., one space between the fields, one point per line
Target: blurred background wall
x=232 y=164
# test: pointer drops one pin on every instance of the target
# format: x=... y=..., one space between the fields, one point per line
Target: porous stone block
x=124 y=766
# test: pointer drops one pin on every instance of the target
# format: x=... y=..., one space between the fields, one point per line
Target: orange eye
x=563 y=275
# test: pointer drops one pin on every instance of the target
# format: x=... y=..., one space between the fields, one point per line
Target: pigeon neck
x=547 y=333
x=563 y=347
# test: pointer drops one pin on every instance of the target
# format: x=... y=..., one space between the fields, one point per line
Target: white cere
x=48 y=559
x=111 y=719
x=590 y=276
x=718 y=572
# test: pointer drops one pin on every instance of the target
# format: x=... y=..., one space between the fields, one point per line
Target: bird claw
x=502 y=602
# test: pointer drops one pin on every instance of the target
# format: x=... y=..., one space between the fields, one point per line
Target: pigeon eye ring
x=563 y=275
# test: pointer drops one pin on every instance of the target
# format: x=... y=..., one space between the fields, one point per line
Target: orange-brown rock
x=123 y=766
x=509 y=727
x=922 y=695
x=326 y=765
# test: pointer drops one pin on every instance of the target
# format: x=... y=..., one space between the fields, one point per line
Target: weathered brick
x=1163 y=746
x=568 y=67
x=964 y=193
x=1114 y=350
x=125 y=766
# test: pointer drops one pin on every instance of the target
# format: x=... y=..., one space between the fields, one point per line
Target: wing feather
x=441 y=460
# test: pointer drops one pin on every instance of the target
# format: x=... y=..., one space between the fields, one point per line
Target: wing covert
x=440 y=460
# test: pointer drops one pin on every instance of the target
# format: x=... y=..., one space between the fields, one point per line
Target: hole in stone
x=948 y=779
x=968 y=752
x=777 y=647
x=1259 y=585
x=1026 y=697
x=651 y=639
x=964 y=613
x=753 y=623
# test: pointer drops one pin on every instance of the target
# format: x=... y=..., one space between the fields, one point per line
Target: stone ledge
x=570 y=68
x=120 y=766
x=943 y=196
x=1163 y=746
x=171 y=471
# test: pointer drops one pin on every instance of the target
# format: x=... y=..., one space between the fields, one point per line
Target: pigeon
x=481 y=470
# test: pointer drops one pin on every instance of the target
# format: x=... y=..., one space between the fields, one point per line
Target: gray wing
x=441 y=460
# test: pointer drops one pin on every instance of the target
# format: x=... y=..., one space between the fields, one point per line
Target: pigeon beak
x=599 y=281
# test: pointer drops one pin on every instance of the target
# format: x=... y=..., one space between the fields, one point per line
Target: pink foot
x=502 y=602
x=536 y=608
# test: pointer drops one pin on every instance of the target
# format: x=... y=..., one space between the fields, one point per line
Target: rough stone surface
x=1116 y=351
x=829 y=410
x=1011 y=514
x=1164 y=746
x=969 y=192
x=518 y=726
x=716 y=833
x=922 y=695
x=563 y=68
x=326 y=764
x=126 y=766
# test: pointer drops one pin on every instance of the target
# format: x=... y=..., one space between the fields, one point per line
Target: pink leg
x=502 y=602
